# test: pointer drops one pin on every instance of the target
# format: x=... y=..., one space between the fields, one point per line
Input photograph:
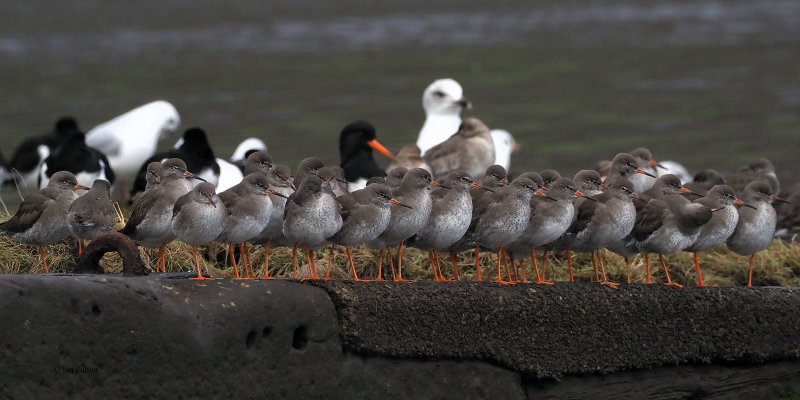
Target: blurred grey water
x=707 y=83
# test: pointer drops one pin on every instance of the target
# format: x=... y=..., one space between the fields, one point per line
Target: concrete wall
x=163 y=336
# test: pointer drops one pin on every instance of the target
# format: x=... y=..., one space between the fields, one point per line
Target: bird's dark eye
x=438 y=93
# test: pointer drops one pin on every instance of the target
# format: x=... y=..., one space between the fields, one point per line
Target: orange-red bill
x=643 y=172
x=377 y=146
x=654 y=163
x=778 y=199
x=79 y=186
x=394 y=201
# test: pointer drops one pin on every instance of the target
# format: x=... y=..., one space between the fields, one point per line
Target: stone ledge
x=95 y=336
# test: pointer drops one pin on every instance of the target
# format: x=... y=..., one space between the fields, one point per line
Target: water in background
x=708 y=83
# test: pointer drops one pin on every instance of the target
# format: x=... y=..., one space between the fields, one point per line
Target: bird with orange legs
x=198 y=217
x=551 y=216
x=311 y=217
x=598 y=223
x=248 y=210
x=756 y=226
x=365 y=215
x=150 y=220
x=41 y=219
x=449 y=220
x=722 y=199
x=405 y=222
x=500 y=223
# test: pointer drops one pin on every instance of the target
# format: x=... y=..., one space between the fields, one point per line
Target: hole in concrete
x=95 y=310
x=250 y=339
x=300 y=337
x=21 y=293
x=267 y=331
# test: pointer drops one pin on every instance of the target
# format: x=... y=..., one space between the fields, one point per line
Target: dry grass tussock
x=778 y=265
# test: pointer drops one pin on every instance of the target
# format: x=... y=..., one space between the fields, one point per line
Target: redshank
x=41 y=218
x=756 y=226
x=198 y=217
x=470 y=149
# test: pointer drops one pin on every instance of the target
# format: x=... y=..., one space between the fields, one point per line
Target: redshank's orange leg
x=603 y=268
x=511 y=276
x=594 y=265
x=439 y=267
x=478 y=261
x=248 y=268
x=433 y=267
x=391 y=262
x=197 y=265
x=522 y=270
x=233 y=260
x=697 y=268
x=159 y=258
x=164 y=258
x=266 y=260
x=312 y=265
x=400 y=263
x=628 y=268
x=352 y=265
x=331 y=249
x=536 y=268
x=294 y=261
x=80 y=247
x=499 y=259
x=544 y=265
x=569 y=266
x=454 y=261
x=308 y=260
x=380 y=266
x=664 y=264
x=647 y=266
x=749 y=274
x=44 y=262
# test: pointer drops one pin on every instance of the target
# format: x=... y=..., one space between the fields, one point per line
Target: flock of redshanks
x=628 y=205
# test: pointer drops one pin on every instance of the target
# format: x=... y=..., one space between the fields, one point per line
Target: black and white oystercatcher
x=28 y=157
x=41 y=219
x=356 y=142
x=73 y=155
